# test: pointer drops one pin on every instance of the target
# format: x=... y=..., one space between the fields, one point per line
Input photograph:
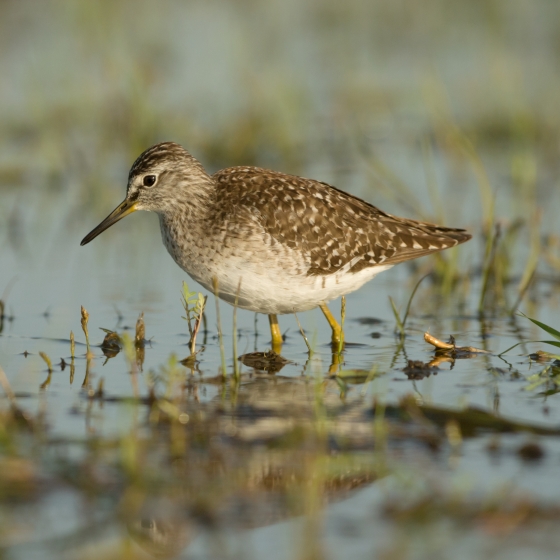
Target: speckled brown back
x=330 y=228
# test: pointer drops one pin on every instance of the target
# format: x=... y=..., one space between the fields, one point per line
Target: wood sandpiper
x=276 y=243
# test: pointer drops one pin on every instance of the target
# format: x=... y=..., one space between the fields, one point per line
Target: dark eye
x=149 y=180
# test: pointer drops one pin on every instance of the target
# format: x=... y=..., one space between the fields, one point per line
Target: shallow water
x=267 y=423
x=422 y=114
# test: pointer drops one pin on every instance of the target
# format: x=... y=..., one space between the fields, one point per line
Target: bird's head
x=164 y=176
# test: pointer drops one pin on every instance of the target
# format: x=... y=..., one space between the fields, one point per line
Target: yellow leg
x=276 y=334
x=337 y=335
x=336 y=360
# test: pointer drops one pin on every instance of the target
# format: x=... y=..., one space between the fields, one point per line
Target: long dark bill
x=123 y=209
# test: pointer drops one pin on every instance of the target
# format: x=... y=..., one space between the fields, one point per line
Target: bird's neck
x=184 y=222
x=191 y=202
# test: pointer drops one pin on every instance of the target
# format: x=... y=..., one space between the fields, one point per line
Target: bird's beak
x=123 y=209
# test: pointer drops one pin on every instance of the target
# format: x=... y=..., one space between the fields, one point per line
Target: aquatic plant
x=193 y=304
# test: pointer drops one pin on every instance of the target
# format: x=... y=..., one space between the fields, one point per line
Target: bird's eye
x=149 y=180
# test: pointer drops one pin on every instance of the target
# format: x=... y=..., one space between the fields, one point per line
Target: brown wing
x=332 y=229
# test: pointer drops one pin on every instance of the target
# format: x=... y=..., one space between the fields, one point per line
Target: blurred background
x=442 y=110
x=364 y=94
x=434 y=110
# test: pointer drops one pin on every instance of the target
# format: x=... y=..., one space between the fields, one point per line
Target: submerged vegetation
x=432 y=431
x=193 y=303
x=188 y=465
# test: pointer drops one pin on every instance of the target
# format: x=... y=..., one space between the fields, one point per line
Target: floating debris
x=416 y=369
x=451 y=348
x=268 y=362
x=112 y=343
x=542 y=356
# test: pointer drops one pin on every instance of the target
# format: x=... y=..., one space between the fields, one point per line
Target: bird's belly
x=259 y=278
x=276 y=290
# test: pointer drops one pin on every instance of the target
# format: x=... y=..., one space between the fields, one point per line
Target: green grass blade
x=549 y=330
x=400 y=327
x=410 y=300
x=551 y=342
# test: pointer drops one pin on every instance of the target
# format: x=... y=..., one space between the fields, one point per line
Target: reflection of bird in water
x=275 y=243
x=250 y=465
x=164 y=527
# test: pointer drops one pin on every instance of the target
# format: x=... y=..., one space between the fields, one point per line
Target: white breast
x=265 y=278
